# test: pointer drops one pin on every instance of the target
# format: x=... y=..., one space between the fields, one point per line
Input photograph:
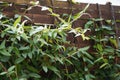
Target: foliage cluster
x=106 y=49
x=34 y=52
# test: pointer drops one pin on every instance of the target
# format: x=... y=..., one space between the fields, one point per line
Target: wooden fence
x=108 y=12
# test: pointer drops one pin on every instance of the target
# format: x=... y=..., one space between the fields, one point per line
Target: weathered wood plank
x=19 y=1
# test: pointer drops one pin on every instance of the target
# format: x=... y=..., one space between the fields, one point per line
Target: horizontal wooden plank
x=116 y=9
x=36 y=18
x=15 y=8
x=37 y=10
x=117 y=16
x=66 y=8
x=44 y=19
x=19 y=1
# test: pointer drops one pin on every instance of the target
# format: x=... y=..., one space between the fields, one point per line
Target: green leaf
x=89 y=60
x=34 y=75
x=87 y=77
x=99 y=19
x=73 y=1
x=59 y=59
x=36 y=30
x=45 y=68
x=31 y=68
x=3 y=73
x=23 y=79
x=2 y=46
x=11 y=68
x=103 y=65
x=67 y=60
x=99 y=47
x=88 y=55
x=109 y=50
x=19 y=60
x=54 y=69
x=105 y=60
x=4 y=58
x=98 y=60
x=109 y=21
x=88 y=24
x=114 y=42
x=30 y=55
x=16 y=51
x=43 y=42
x=24 y=48
x=104 y=39
x=5 y=53
x=84 y=48
x=118 y=65
x=18 y=20
x=11 y=72
x=54 y=34
x=24 y=36
x=58 y=74
x=107 y=28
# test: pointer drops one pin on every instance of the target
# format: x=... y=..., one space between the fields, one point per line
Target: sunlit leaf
x=99 y=47
x=11 y=68
x=3 y=73
x=45 y=68
x=18 y=20
x=103 y=65
x=114 y=42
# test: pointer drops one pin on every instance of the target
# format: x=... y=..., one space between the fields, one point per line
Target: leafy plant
x=39 y=52
x=106 y=49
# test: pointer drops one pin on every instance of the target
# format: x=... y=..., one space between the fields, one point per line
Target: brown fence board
x=36 y=18
x=19 y=1
x=37 y=10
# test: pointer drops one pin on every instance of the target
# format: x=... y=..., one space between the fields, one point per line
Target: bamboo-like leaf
x=32 y=68
x=2 y=46
x=18 y=20
x=24 y=36
x=34 y=75
x=58 y=16
x=55 y=70
x=5 y=53
x=19 y=60
x=36 y=30
x=114 y=42
x=98 y=60
x=45 y=68
x=84 y=48
x=103 y=65
x=11 y=68
x=59 y=59
x=3 y=73
x=88 y=24
x=99 y=47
